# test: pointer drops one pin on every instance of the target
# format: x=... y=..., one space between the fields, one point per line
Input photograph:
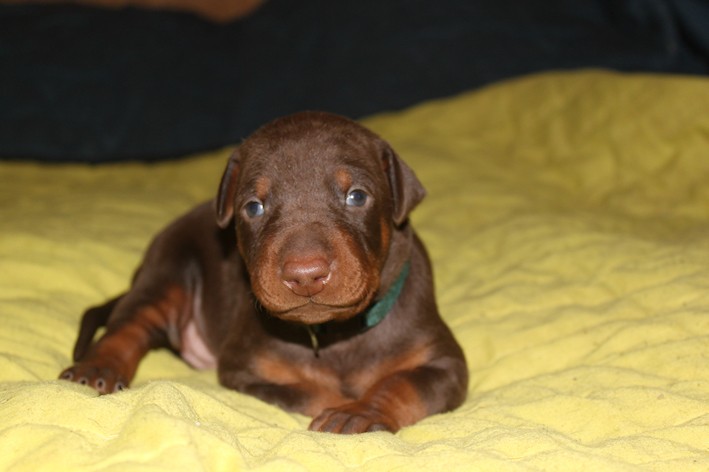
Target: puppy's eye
x=356 y=198
x=253 y=208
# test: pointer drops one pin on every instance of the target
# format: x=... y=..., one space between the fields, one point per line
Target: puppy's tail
x=93 y=319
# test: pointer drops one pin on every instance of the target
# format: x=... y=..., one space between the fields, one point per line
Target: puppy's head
x=316 y=199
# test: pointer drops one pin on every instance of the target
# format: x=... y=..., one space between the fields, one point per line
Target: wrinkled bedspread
x=568 y=222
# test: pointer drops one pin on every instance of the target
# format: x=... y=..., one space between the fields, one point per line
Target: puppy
x=303 y=284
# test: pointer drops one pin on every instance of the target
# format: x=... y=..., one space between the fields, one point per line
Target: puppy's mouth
x=312 y=312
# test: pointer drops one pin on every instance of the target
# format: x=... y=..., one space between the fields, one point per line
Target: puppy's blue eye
x=253 y=208
x=356 y=198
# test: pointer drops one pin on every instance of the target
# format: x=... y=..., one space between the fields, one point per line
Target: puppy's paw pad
x=102 y=379
x=351 y=419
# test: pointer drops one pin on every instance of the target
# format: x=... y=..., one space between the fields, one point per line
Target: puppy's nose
x=306 y=277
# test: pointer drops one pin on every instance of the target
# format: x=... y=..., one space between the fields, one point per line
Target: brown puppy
x=307 y=287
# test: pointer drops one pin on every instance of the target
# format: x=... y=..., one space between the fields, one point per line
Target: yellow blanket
x=568 y=222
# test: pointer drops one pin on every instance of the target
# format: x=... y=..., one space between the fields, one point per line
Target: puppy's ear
x=406 y=189
x=227 y=191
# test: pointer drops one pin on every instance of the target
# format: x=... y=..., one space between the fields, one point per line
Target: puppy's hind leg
x=135 y=323
x=93 y=319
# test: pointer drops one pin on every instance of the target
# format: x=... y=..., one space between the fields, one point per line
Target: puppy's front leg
x=286 y=391
x=400 y=399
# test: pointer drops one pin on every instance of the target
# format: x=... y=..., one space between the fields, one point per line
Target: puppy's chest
x=333 y=373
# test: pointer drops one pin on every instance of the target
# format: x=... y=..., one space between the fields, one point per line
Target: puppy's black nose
x=306 y=277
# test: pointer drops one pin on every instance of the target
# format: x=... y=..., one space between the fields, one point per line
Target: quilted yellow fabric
x=568 y=222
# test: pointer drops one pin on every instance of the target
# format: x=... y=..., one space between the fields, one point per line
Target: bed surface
x=568 y=222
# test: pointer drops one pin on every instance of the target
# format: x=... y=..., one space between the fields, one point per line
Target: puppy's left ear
x=227 y=191
x=406 y=189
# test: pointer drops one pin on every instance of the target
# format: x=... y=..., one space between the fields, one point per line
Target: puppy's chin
x=312 y=313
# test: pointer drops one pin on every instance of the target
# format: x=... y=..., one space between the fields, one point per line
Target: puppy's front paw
x=353 y=418
x=101 y=378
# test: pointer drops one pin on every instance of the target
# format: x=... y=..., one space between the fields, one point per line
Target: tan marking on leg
x=321 y=384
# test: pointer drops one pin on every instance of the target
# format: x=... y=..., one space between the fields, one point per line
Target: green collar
x=377 y=312
x=373 y=315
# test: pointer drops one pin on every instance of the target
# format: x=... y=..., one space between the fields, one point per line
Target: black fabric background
x=87 y=84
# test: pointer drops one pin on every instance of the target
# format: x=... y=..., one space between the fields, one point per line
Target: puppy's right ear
x=406 y=189
x=227 y=191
